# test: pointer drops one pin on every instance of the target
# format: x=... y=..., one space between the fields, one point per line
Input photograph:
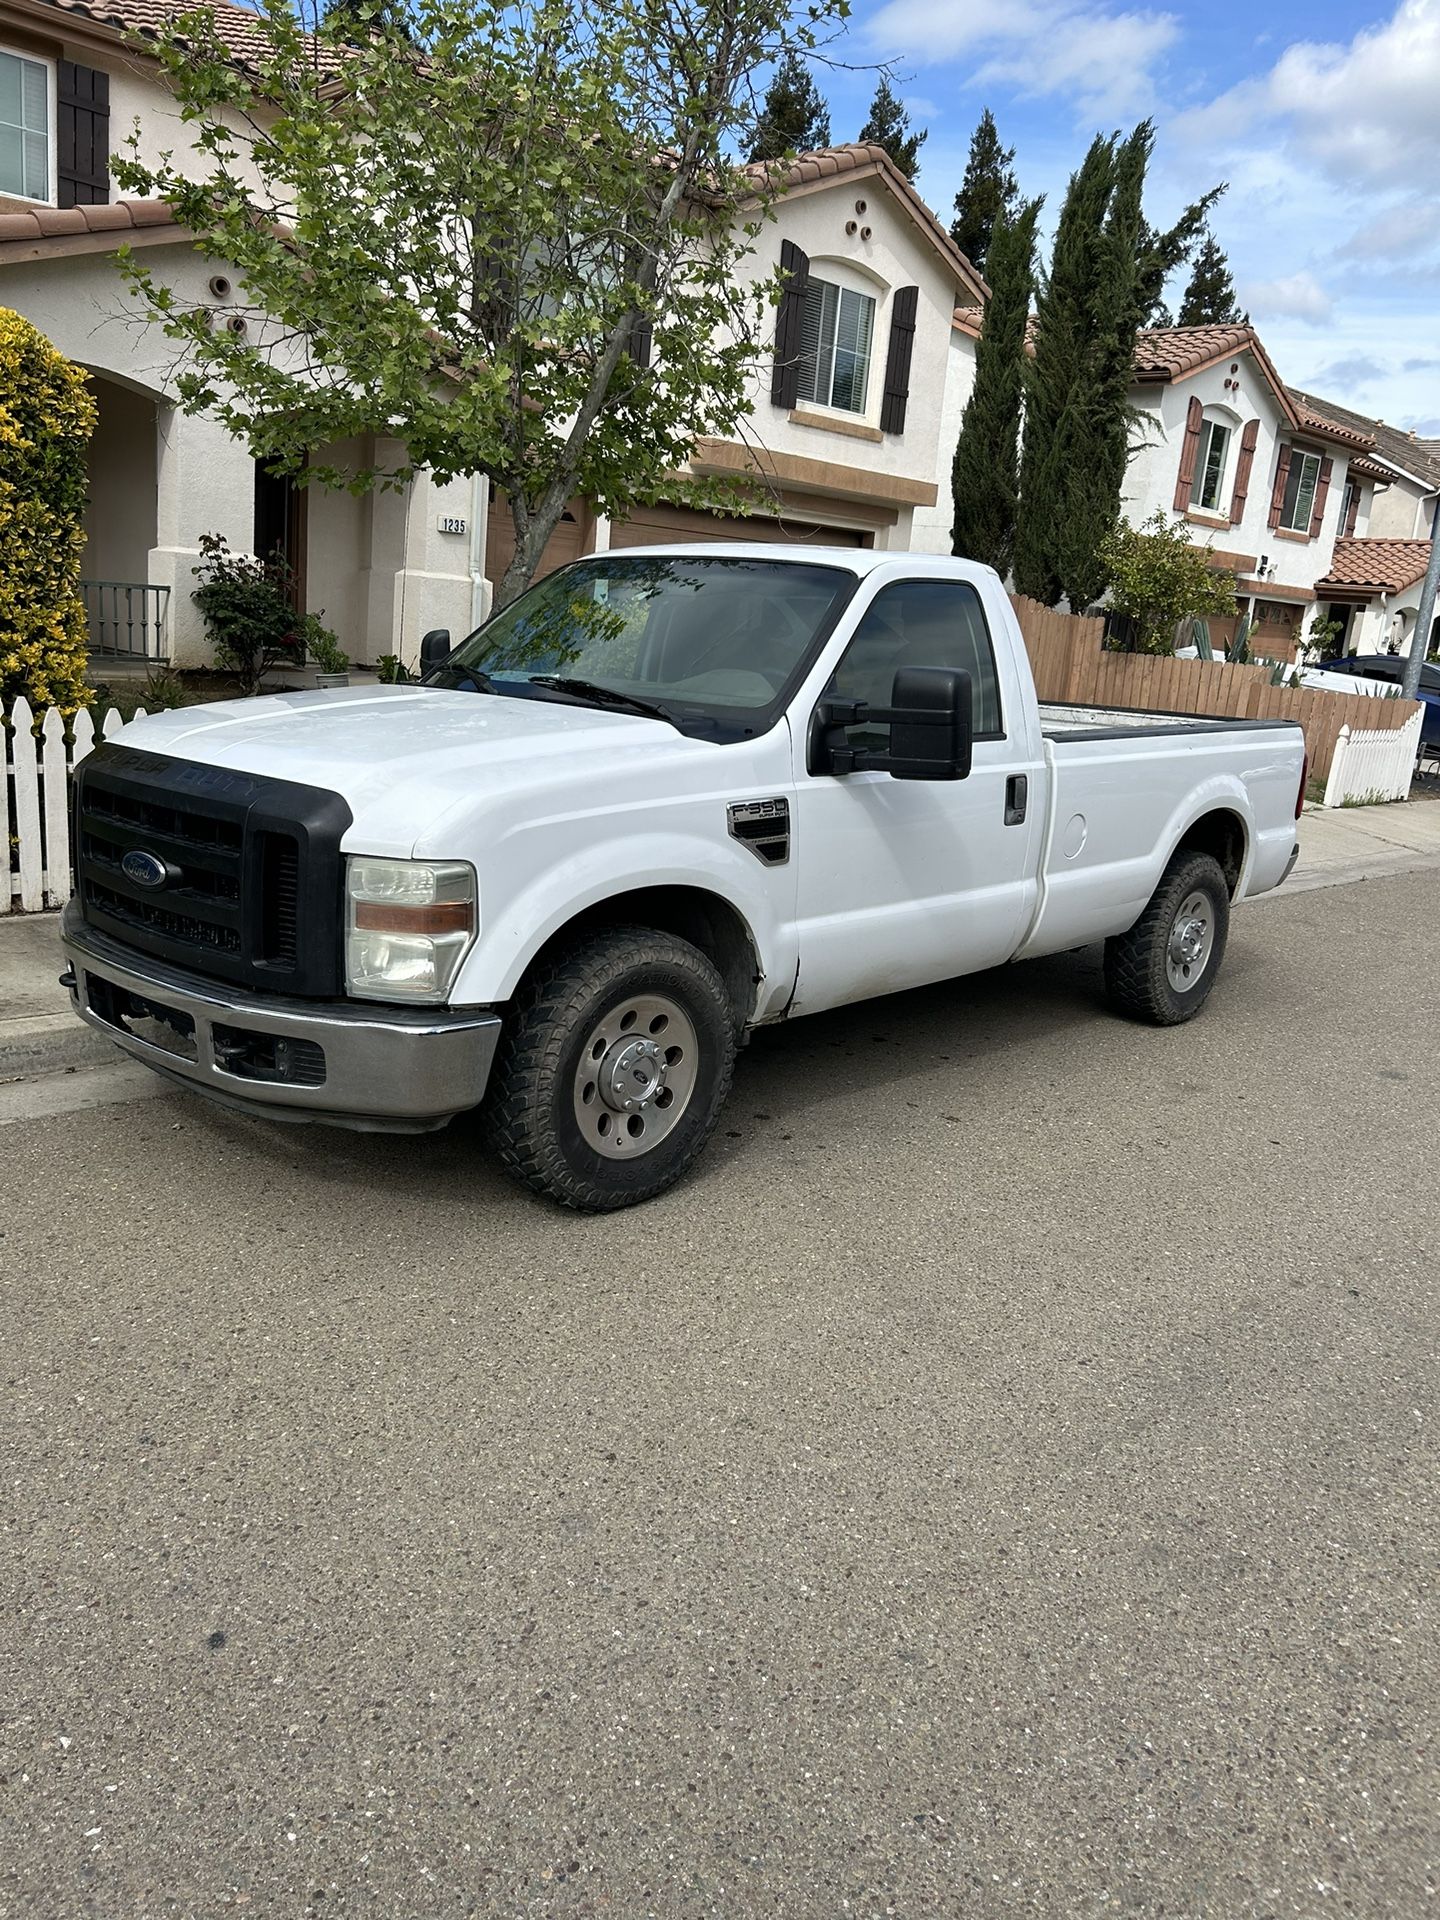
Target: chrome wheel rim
x=636 y=1073
x=1192 y=940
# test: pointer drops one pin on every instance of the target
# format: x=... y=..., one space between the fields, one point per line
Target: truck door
x=902 y=882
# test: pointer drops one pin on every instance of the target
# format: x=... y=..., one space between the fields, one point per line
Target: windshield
x=712 y=644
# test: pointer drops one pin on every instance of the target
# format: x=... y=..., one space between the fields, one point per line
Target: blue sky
x=1324 y=118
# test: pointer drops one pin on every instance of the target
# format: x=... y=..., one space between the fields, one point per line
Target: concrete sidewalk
x=39 y=1034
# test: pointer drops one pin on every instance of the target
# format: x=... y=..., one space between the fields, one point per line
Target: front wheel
x=1162 y=970
x=613 y=1070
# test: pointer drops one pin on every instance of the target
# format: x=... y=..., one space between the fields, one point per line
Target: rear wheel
x=613 y=1070
x=1162 y=970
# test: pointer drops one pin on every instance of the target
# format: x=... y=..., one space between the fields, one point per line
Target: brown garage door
x=661 y=526
x=562 y=546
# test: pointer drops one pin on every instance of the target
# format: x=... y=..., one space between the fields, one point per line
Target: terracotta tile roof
x=865 y=158
x=235 y=26
x=1168 y=353
x=971 y=319
x=1323 y=423
x=21 y=230
x=1393 y=445
x=1381 y=566
x=1361 y=468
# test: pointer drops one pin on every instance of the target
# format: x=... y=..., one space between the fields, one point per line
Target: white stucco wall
x=1150 y=480
x=1401 y=511
x=933 y=524
x=895 y=255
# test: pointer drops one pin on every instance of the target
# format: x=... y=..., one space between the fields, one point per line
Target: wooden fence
x=34 y=802
x=1071 y=668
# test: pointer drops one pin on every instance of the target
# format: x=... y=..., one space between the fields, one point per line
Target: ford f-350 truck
x=667 y=796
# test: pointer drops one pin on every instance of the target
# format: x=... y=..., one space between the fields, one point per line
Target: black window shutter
x=897 y=363
x=82 y=136
x=789 y=320
x=642 y=341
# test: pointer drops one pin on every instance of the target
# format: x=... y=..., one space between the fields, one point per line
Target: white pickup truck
x=669 y=795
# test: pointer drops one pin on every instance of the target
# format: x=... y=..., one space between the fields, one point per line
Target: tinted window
x=920 y=623
x=715 y=641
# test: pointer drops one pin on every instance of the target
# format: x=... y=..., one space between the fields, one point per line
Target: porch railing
x=127 y=621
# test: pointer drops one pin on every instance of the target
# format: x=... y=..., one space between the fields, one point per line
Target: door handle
x=1017 y=796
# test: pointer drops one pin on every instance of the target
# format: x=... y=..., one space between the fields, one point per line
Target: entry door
x=901 y=882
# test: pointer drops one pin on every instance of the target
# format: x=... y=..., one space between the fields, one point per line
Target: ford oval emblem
x=144 y=869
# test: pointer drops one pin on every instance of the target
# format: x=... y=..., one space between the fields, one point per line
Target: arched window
x=1217 y=435
x=837 y=339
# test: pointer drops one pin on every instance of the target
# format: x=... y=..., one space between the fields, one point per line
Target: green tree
x=793 y=115
x=1210 y=292
x=512 y=243
x=1107 y=273
x=988 y=193
x=985 y=478
x=1159 y=579
x=889 y=126
x=47 y=415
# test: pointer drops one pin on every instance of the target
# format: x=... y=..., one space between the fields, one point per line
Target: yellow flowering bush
x=47 y=415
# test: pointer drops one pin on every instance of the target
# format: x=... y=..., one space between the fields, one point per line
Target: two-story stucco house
x=843 y=436
x=1260 y=475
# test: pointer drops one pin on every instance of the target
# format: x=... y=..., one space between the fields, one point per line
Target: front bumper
x=346 y=1063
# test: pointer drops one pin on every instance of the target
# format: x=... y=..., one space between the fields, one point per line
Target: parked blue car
x=1389 y=666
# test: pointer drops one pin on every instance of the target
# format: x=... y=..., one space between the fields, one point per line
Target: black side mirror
x=931 y=729
x=434 y=648
x=931 y=724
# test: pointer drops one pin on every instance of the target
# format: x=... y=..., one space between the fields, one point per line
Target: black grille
x=244 y=871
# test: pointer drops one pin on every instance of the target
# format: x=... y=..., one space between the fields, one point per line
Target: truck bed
x=1117 y=723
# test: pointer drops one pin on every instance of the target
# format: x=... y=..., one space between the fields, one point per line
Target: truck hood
x=404 y=757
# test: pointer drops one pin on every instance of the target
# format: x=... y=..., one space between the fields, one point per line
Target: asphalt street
x=1001 y=1481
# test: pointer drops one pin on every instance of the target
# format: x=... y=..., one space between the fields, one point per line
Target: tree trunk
x=533 y=528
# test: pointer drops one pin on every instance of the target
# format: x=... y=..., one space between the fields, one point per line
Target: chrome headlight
x=408 y=925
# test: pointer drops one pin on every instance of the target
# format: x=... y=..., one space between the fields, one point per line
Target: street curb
x=1381 y=867
x=50 y=1043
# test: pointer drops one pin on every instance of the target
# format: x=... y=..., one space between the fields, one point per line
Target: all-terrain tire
x=532 y=1112
x=1146 y=975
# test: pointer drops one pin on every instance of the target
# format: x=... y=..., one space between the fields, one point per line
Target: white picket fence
x=34 y=802
x=1374 y=763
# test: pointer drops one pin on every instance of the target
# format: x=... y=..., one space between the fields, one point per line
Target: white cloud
x=1296 y=296
x=1102 y=61
x=1331 y=221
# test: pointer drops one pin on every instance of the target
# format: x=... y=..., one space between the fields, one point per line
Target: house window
x=24 y=127
x=1300 y=484
x=1210 y=467
x=837 y=335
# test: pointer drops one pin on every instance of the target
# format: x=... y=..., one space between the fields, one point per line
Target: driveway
x=1001 y=1482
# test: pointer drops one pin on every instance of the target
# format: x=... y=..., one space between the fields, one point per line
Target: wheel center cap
x=1188 y=942
x=632 y=1073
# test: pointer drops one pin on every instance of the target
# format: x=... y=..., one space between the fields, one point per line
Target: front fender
x=516 y=922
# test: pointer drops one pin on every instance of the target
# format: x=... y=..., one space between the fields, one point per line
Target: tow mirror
x=434 y=648
x=931 y=729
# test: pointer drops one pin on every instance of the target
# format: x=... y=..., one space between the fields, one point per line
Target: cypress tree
x=985 y=478
x=889 y=127
x=1106 y=278
x=988 y=192
x=1210 y=294
x=1055 y=377
x=793 y=117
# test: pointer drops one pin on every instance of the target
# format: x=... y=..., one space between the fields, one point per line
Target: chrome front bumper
x=345 y=1063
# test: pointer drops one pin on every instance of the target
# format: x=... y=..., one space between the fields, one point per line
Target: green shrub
x=1157 y=578
x=47 y=415
x=248 y=610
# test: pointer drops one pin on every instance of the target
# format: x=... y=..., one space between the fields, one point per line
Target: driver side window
x=919 y=623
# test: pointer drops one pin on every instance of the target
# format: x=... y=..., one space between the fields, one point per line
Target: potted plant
x=323 y=647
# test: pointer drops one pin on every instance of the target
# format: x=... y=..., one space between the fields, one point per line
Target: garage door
x=562 y=547
x=662 y=526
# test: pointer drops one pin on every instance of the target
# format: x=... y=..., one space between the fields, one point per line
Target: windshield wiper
x=599 y=696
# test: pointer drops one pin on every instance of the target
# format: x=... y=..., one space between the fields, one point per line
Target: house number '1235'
x=452 y=523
